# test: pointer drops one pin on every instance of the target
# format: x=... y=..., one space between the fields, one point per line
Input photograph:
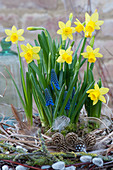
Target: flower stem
x=87 y=69
x=22 y=75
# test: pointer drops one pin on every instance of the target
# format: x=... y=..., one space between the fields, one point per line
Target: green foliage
x=56 y=87
x=67 y=75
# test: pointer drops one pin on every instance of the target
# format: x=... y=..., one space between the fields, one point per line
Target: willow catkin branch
x=95 y=118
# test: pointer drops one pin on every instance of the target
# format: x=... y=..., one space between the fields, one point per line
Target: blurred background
x=47 y=13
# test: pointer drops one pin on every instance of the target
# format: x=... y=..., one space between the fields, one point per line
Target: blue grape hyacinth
x=49 y=100
x=73 y=92
x=67 y=107
x=54 y=80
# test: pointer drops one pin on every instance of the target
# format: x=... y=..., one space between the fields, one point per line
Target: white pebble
x=7 y=152
x=85 y=158
x=98 y=161
x=45 y=167
x=59 y=165
x=19 y=167
x=5 y=167
x=19 y=147
x=70 y=168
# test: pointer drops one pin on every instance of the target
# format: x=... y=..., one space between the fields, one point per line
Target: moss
x=5 y=156
x=83 y=153
x=70 y=128
x=69 y=162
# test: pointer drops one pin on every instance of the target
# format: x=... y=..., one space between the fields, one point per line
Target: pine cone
x=80 y=141
x=89 y=139
x=58 y=139
x=62 y=147
x=71 y=139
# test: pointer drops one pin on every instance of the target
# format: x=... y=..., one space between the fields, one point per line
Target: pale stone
x=19 y=167
x=85 y=158
x=5 y=167
x=98 y=161
x=58 y=165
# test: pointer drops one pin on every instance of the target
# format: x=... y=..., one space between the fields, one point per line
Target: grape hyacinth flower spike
x=49 y=100
x=54 y=80
x=67 y=107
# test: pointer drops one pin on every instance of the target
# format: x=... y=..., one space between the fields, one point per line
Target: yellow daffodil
x=92 y=23
x=66 y=30
x=97 y=94
x=14 y=35
x=30 y=52
x=91 y=54
x=65 y=56
x=79 y=26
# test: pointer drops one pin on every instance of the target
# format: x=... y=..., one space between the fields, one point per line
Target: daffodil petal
x=96 y=87
x=98 y=55
x=68 y=23
x=102 y=99
x=21 y=38
x=29 y=61
x=60 y=60
x=70 y=36
x=61 y=52
x=89 y=49
x=36 y=56
x=90 y=90
x=96 y=50
x=85 y=54
x=8 y=32
x=23 y=47
x=87 y=18
x=95 y=102
x=29 y=46
x=103 y=90
x=59 y=31
x=99 y=23
x=20 y=32
x=64 y=37
x=14 y=30
x=8 y=39
x=36 y=49
x=97 y=27
x=76 y=23
x=22 y=54
x=73 y=29
x=68 y=50
x=94 y=17
x=61 y=25
x=69 y=59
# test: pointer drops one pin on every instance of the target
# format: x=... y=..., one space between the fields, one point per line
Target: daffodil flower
x=97 y=94
x=79 y=26
x=92 y=23
x=65 y=56
x=91 y=54
x=66 y=30
x=29 y=52
x=14 y=35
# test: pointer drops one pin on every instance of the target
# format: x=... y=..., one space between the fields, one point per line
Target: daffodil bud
x=71 y=17
x=92 y=41
x=77 y=66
